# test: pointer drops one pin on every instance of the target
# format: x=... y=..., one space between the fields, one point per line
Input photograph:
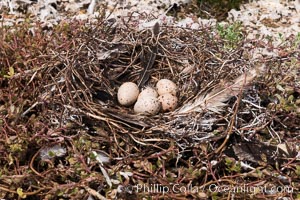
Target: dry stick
x=142 y=143
x=31 y=163
x=94 y=193
x=25 y=193
x=229 y=133
x=30 y=71
x=86 y=113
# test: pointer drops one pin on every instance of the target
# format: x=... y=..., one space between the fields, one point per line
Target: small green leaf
x=11 y=71
x=280 y=88
x=20 y=193
x=291 y=98
x=297 y=170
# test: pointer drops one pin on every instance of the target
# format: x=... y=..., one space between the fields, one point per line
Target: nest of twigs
x=59 y=87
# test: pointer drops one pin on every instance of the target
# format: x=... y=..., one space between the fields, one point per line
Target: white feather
x=214 y=100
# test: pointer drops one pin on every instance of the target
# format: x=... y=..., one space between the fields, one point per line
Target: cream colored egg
x=166 y=86
x=147 y=105
x=168 y=102
x=148 y=91
x=128 y=93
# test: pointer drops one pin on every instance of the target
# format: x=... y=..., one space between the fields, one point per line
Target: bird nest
x=104 y=57
x=62 y=84
x=83 y=82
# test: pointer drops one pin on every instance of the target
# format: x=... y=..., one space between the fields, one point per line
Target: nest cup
x=105 y=54
x=189 y=62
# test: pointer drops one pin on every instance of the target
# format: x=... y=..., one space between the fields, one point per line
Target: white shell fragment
x=147 y=105
x=148 y=91
x=47 y=153
x=166 y=86
x=128 y=93
x=168 y=102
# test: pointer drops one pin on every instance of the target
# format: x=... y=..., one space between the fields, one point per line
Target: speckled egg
x=147 y=105
x=128 y=93
x=148 y=91
x=166 y=86
x=168 y=102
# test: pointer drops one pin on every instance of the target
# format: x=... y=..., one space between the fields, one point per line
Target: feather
x=214 y=100
x=155 y=29
x=148 y=59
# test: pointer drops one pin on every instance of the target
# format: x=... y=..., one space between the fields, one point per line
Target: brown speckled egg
x=147 y=105
x=168 y=102
x=148 y=91
x=128 y=93
x=166 y=86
